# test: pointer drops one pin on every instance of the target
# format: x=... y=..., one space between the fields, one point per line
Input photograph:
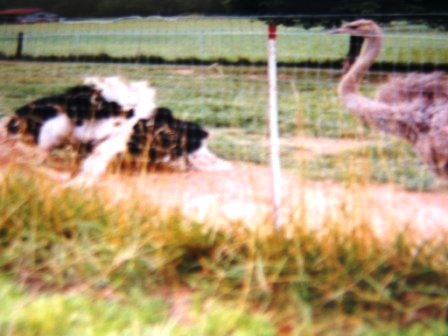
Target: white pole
x=273 y=125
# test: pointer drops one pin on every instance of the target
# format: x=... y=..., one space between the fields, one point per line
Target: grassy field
x=211 y=39
x=77 y=263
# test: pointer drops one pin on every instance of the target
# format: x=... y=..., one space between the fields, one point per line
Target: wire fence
x=207 y=40
x=213 y=70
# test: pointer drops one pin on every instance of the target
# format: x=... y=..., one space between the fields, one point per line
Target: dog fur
x=102 y=112
x=174 y=142
x=112 y=117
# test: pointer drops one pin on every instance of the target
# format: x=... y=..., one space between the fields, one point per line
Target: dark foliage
x=306 y=13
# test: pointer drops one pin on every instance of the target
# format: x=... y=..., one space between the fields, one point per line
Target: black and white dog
x=163 y=138
x=102 y=112
x=112 y=117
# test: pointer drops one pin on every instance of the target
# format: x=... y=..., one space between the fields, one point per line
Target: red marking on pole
x=272 y=32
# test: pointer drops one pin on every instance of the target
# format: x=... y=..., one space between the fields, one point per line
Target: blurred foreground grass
x=75 y=262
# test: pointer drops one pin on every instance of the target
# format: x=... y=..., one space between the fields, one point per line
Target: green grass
x=72 y=263
x=75 y=313
x=134 y=313
x=212 y=38
x=393 y=161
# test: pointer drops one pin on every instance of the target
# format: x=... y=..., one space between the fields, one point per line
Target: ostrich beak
x=336 y=31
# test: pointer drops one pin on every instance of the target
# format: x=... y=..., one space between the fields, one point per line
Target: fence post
x=273 y=125
x=356 y=43
x=19 y=50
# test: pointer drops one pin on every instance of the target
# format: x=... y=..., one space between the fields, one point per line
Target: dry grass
x=243 y=194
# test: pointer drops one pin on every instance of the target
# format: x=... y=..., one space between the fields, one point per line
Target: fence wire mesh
x=212 y=70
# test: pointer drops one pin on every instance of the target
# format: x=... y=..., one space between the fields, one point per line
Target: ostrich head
x=358 y=31
x=362 y=28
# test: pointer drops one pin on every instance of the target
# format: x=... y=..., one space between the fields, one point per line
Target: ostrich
x=413 y=107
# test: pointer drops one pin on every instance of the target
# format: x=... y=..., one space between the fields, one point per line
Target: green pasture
x=200 y=38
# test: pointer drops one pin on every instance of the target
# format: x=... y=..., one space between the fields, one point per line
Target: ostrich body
x=413 y=107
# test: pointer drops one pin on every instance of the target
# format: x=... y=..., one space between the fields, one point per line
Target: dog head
x=164 y=138
x=187 y=136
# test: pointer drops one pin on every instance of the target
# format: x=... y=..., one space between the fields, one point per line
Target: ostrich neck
x=376 y=113
x=350 y=82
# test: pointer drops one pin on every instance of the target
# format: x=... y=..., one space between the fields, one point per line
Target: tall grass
x=76 y=262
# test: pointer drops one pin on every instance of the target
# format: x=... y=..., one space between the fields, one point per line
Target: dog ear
x=204 y=133
x=163 y=115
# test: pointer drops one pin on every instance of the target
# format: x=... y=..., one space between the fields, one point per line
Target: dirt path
x=242 y=195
